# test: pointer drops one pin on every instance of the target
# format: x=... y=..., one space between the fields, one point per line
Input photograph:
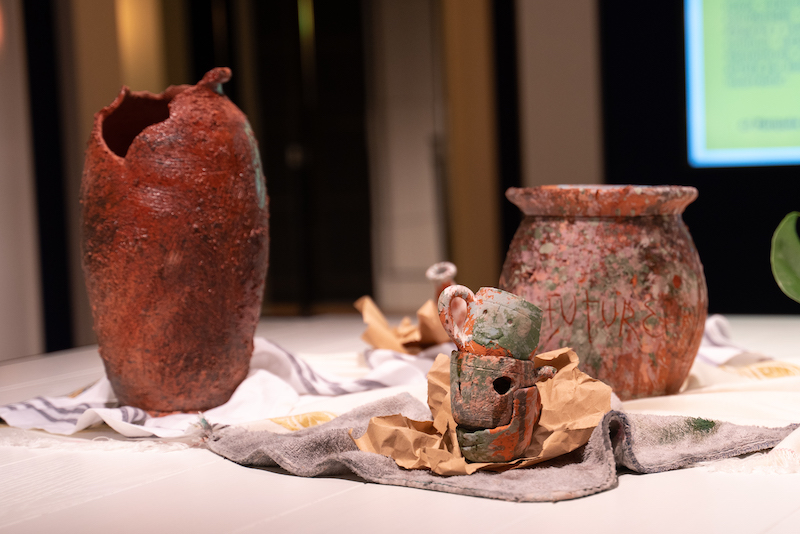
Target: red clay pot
x=618 y=278
x=175 y=241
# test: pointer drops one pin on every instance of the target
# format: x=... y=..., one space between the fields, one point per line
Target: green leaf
x=785 y=256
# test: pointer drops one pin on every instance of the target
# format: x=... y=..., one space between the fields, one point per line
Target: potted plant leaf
x=785 y=256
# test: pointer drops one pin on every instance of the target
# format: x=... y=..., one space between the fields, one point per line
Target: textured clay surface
x=497 y=322
x=618 y=278
x=483 y=388
x=175 y=244
x=506 y=442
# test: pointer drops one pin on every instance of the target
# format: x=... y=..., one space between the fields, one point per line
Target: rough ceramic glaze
x=485 y=386
x=618 y=278
x=497 y=322
x=493 y=396
x=506 y=442
x=495 y=403
x=174 y=244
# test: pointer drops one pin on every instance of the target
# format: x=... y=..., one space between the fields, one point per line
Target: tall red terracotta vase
x=175 y=244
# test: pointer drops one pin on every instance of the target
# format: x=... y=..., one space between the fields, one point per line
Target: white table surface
x=194 y=490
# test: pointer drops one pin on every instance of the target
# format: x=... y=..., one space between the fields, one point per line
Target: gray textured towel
x=642 y=443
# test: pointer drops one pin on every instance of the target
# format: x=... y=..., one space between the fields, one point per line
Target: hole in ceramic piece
x=134 y=114
x=502 y=385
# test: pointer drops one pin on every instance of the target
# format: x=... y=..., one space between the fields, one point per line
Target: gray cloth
x=641 y=443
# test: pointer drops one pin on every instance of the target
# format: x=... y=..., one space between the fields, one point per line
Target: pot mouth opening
x=602 y=200
x=135 y=113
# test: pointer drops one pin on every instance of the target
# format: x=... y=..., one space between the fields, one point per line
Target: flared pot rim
x=602 y=200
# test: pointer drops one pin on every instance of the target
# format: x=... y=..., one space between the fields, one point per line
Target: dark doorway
x=507 y=105
x=309 y=76
x=45 y=113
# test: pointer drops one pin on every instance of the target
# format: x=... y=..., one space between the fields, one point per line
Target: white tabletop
x=76 y=488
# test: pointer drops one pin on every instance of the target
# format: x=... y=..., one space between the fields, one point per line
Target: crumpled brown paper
x=405 y=337
x=572 y=405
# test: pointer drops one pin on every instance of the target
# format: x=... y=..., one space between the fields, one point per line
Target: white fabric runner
x=721 y=386
x=273 y=388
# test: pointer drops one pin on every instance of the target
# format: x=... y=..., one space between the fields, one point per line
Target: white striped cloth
x=276 y=380
x=718 y=348
x=387 y=368
x=273 y=387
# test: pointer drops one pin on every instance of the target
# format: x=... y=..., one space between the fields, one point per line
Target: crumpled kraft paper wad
x=405 y=337
x=573 y=404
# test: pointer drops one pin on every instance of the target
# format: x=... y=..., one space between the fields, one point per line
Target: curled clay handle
x=446 y=314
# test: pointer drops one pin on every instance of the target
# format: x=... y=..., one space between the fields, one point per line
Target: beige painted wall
x=403 y=128
x=21 y=323
x=140 y=38
x=559 y=77
x=472 y=167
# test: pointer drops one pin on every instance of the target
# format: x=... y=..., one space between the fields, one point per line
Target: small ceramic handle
x=446 y=314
